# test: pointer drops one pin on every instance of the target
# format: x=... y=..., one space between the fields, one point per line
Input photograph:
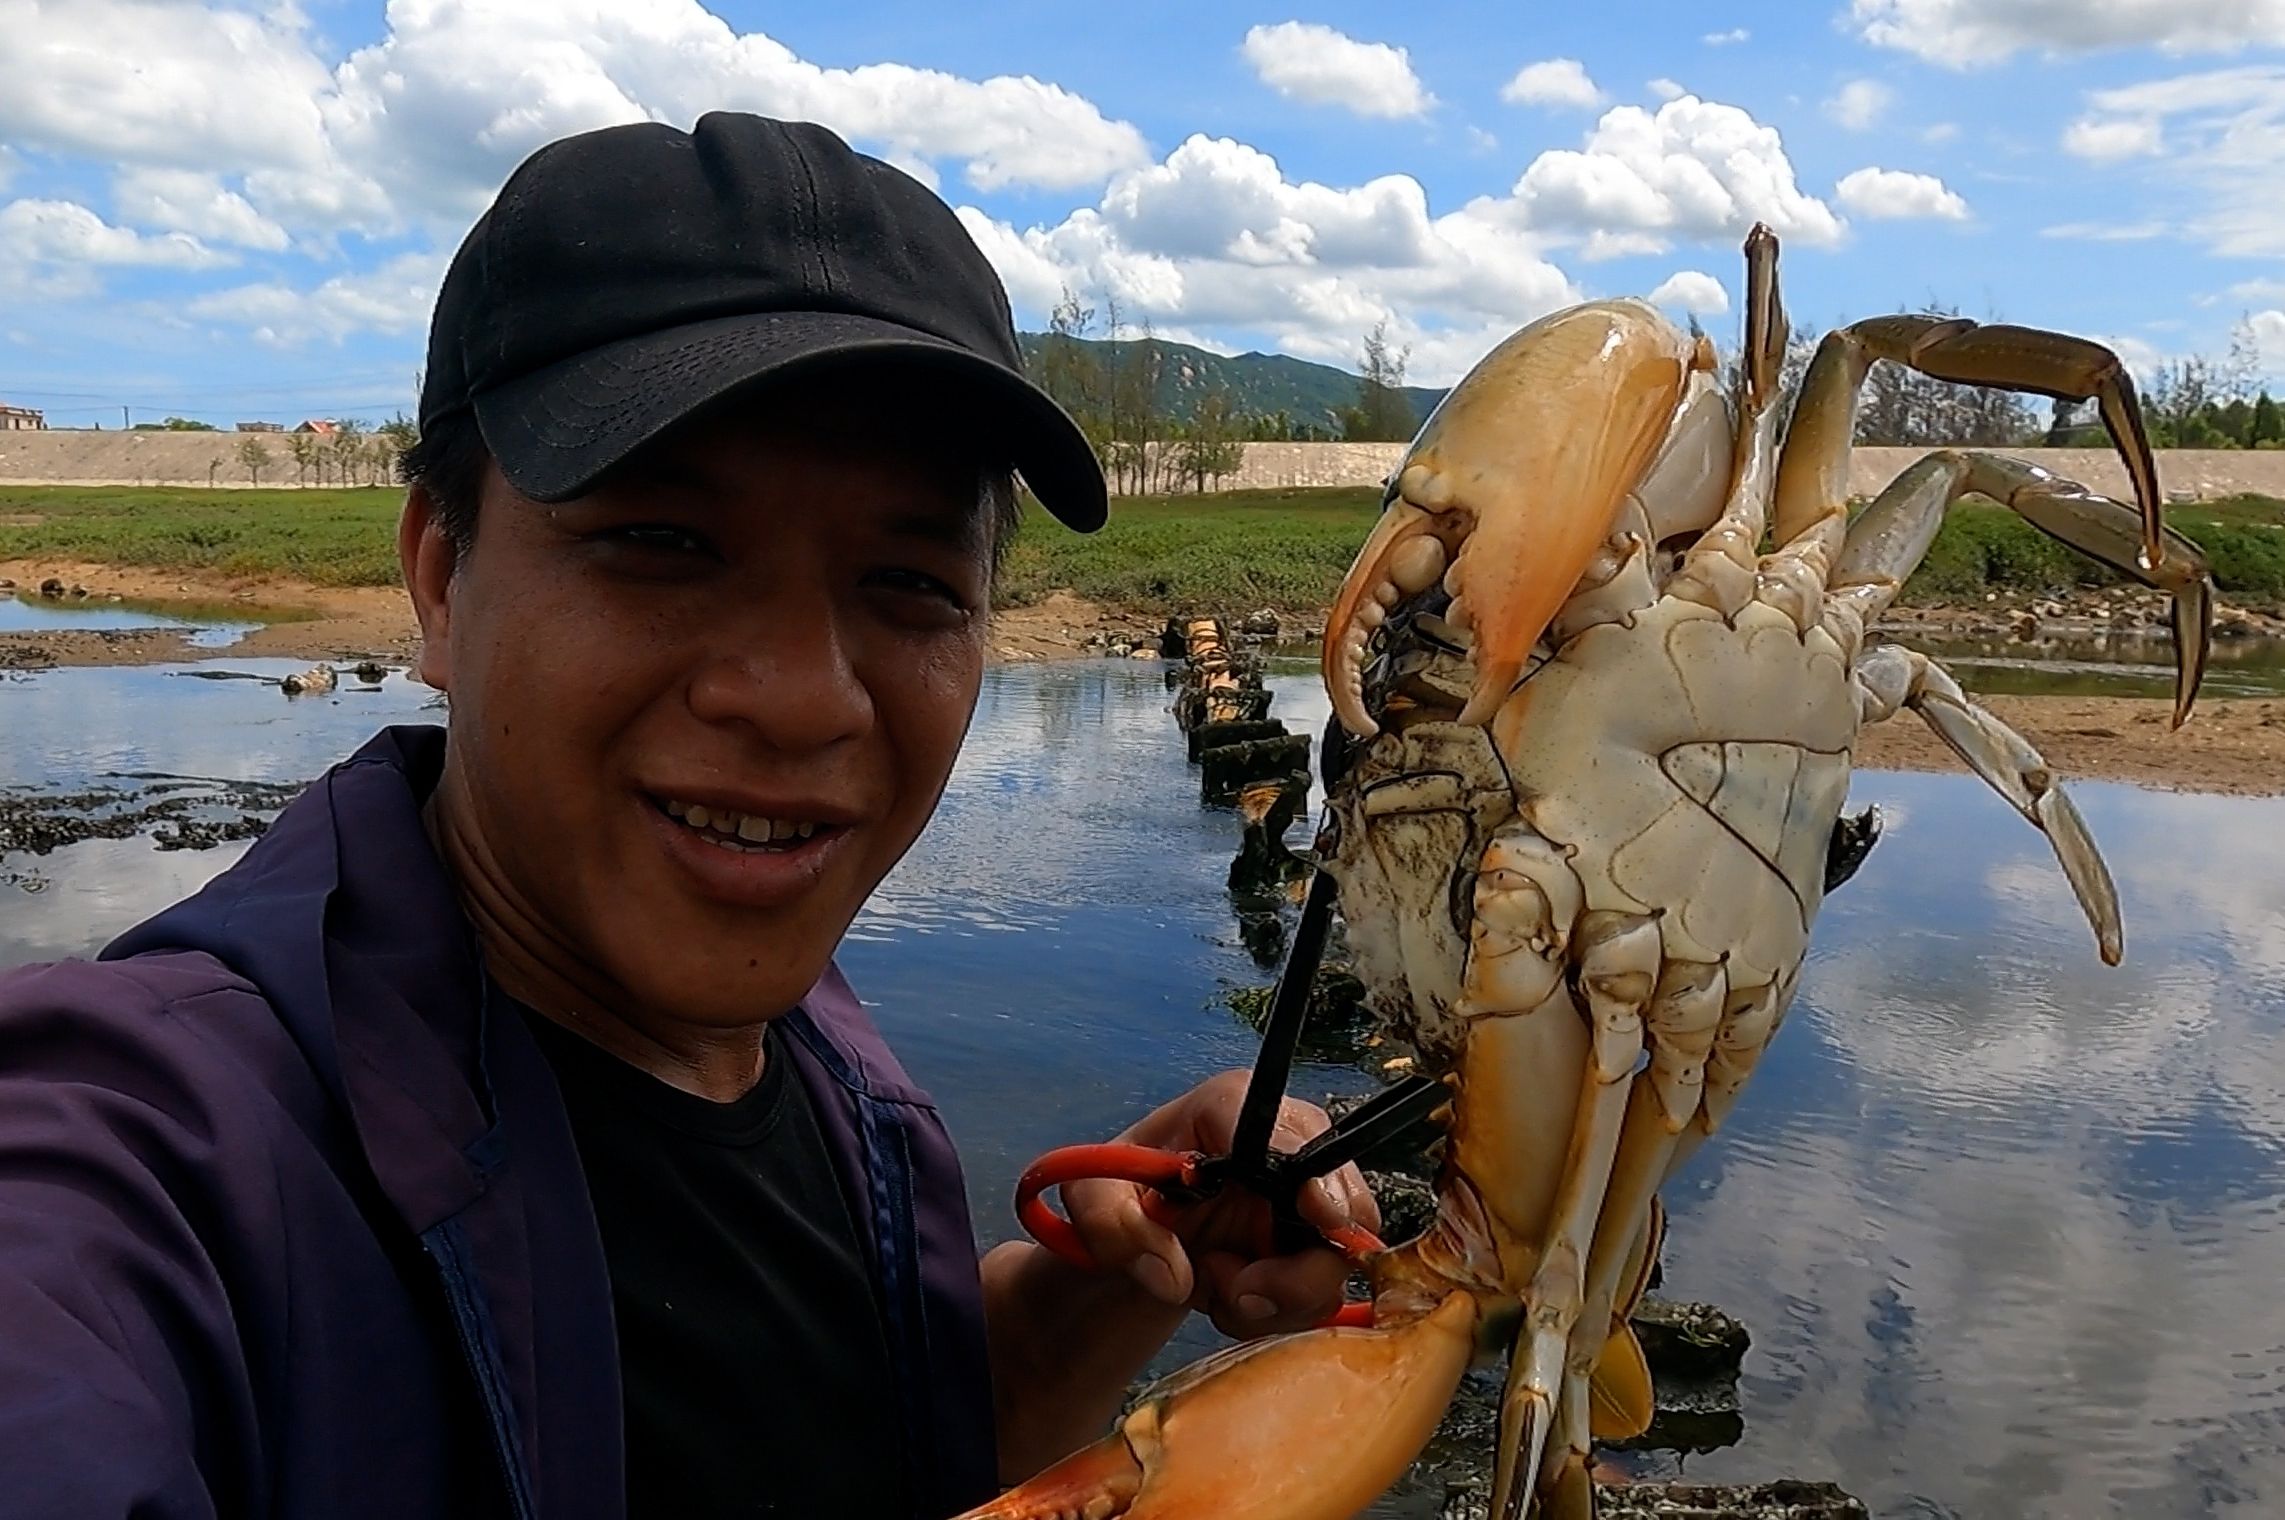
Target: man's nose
x=785 y=669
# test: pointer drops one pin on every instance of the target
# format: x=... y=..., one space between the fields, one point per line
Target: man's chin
x=729 y=991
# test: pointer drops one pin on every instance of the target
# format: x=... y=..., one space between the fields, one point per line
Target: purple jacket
x=291 y=1221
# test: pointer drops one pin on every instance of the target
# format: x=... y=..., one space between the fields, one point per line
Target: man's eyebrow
x=675 y=473
x=959 y=530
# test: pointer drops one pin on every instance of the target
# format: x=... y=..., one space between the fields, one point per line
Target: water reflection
x=2112 y=665
x=2004 y=1222
x=34 y=615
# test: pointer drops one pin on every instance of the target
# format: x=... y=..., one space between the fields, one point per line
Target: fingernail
x=1156 y=1277
x=1254 y=1306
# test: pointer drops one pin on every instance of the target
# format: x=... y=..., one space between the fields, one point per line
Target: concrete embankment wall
x=63 y=457
x=2200 y=474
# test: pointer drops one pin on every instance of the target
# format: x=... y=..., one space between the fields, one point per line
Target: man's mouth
x=743 y=833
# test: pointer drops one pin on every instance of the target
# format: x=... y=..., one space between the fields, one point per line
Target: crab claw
x=1512 y=484
x=1313 y=1426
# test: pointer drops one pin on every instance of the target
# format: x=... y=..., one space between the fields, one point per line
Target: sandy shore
x=2234 y=746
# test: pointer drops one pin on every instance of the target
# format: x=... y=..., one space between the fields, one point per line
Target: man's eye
x=656 y=537
x=920 y=583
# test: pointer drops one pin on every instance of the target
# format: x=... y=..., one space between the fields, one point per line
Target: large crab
x=1600 y=741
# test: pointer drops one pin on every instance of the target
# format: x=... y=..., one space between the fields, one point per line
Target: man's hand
x=1205 y=1257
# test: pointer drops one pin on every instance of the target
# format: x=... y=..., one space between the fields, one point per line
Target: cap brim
x=557 y=431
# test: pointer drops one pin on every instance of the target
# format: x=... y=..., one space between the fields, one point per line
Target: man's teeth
x=731 y=826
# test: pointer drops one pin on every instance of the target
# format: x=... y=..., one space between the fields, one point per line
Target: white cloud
x=64 y=233
x=2223 y=133
x=1695 y=169
x=421 y=126
x=184 y=200
x=394 y=298
x=2140 y=355
x=1941 y=132
x=2259 y=290
x=1689 y=290
x=1303 y=60
x=1735 y=34
x=1965 y=34
x=1892 y=194
x=1218 y=199
x=149 y=82
x=1216 y=236
x=1666 y=89
x=1859 y=104
x=2268 y=329
x=1552 y=82
x=2105 y=142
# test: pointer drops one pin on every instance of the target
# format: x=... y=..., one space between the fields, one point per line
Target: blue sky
x=232 y=211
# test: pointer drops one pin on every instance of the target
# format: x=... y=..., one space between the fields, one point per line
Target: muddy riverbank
x=2234 y=746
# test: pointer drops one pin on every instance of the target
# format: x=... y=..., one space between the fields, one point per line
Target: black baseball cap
x=629 y=277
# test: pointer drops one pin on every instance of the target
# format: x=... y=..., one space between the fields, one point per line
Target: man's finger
x=1281 y=1293
x=1339 y=1198
x=1122 y=1237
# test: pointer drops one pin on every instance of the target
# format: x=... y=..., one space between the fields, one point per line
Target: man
x=497 y=1136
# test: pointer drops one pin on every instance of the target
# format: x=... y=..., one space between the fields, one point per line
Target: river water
x=2005 y=1224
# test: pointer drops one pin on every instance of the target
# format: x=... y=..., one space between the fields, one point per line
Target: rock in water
x=315 y=681
x=1786 y=1499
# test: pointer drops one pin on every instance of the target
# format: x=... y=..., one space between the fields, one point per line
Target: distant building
x=261 y=427
x=321 y=428
x=21 y=419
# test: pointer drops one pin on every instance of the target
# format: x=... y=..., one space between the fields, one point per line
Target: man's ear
x=426 y=558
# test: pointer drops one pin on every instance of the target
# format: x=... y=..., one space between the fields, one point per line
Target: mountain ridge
x=1312 y=395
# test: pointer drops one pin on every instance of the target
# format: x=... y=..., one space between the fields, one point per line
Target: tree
x=2267 y=429
x=2235 y=421
x=255 y=458
x=1210 y=445
x=304 y=447
x=1068 y=368
x=348 y=449
x=1383 y=413
x=1134 y=420
x=396 y=438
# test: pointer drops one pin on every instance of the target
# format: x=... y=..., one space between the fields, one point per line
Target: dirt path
x=2229 y=746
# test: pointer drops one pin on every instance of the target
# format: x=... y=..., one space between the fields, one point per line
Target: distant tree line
x=350 y=455
x=1110 y=376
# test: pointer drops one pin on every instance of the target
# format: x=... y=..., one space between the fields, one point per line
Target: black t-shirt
x=756 y=1370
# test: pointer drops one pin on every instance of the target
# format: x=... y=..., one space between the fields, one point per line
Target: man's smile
x=737 y=830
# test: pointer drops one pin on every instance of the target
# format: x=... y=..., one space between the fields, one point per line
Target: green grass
x=1231 y=552
x=327 y=537
x=1228 y=553
x=1984 y=547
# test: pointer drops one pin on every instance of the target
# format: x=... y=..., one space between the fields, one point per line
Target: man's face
x=775 y=627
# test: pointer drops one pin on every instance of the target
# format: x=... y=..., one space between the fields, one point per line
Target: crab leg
x=1892 y=676
x=1618 y=957
x=1812 y=481
x=1718 y=571
x=1889 y=539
